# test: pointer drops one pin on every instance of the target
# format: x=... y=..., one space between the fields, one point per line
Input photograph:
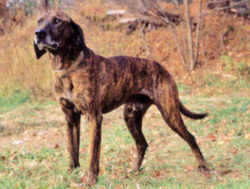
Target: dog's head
x=56 y=33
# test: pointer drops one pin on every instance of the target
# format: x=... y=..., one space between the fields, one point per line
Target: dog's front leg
x=73 y=129
x=95 y=123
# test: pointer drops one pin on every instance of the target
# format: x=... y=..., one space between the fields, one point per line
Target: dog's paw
x=204 y=170
x=73 y=167
x=89 y=179
x=135 y=169
x=131 y=171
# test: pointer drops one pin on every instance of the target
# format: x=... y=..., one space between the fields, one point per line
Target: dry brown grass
x=21 y=71
x=19 y=68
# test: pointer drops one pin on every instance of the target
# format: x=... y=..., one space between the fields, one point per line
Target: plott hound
x=89 y=84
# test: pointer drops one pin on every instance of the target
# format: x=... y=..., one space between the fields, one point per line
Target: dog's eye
x=40 y=21
x=56 y=21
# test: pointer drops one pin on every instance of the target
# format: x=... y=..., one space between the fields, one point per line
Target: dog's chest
x=76 y=90
x=63 y=87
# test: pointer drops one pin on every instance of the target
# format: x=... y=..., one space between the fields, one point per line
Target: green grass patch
x=231 y=64
x=183 y=88
x=169 y=162
x=27 y=115
x=13 y=101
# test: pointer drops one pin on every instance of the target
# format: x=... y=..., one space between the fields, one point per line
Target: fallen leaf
x=212 y=137
x=234 y=150
x=34 y=134
x=225 y=172
x=212 y=157
x=189 y=168
x=56 y=146
x=2 y=158
x=157 y=173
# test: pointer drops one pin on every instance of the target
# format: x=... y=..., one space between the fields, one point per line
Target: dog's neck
x=70 y=51
x=65 y=62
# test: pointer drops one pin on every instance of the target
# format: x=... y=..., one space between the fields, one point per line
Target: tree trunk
x=197 y=42
x=189 y=36
x=44 y=5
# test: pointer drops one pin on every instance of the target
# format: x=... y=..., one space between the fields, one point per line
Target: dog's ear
x=39 y=53
x=79 y=37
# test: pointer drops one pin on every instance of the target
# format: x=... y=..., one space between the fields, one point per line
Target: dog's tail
x=190 y=114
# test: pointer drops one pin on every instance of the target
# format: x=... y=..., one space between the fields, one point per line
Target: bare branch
x=151 y=10
x=159 y=14
x=189 y=36
x=196 y=53
x=180 y=48
x=44 y=5
x=231 y=5
x=148 y=51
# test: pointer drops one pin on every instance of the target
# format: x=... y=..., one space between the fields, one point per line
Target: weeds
x=240 y=68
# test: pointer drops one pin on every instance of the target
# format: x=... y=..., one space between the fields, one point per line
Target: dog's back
x=120 y=78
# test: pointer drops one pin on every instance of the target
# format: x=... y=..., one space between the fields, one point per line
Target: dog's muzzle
x=40 y=34
x=44 y=41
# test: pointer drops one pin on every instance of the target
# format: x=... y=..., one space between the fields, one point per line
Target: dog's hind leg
x=172 y=116
x=73 y=129
x=133 y=114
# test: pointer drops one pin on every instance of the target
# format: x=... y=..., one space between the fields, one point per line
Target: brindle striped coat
x=87 y=83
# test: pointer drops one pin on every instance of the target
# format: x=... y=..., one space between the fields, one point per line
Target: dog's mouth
x=46 y=44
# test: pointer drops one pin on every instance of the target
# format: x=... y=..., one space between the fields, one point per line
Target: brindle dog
x=89 y=84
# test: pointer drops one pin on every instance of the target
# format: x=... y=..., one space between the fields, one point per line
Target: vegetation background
x=32 y=128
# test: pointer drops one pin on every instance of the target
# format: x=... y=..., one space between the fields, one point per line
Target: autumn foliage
x=223 y=52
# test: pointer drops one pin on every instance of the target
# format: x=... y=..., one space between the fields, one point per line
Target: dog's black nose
x=41 y=34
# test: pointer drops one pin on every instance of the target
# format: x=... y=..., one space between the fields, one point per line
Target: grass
x=40 y=159
x=13 y=101
x=18 y=113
